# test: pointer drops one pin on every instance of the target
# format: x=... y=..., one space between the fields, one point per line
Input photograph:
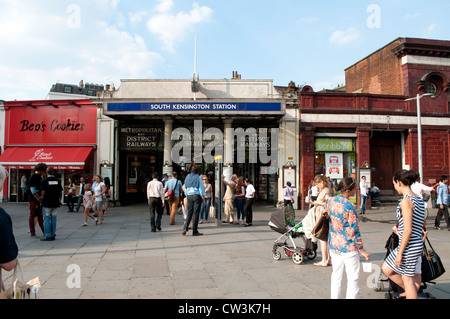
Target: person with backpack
x=172 y=190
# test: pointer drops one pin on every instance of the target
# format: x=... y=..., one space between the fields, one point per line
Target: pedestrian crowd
x=46 y=197
x=195 y=196
x=344 y=246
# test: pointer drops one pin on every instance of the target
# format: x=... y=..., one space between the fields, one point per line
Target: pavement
x=123 y=259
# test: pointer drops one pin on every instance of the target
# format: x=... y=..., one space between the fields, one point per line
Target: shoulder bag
x=432 y=266
x=321 y=229
x=170 y=195
x=20 y=289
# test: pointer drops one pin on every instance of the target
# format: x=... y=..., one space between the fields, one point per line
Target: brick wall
x=379 y=73
x=435 y=153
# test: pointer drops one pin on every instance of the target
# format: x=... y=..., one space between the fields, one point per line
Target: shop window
x=335 y=158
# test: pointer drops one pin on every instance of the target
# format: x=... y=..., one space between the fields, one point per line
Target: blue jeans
x=240 y=202
x=50 y=214
x=363 y=204
x=205 y=209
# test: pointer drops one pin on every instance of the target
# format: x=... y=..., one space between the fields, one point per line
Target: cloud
x=42 y=45
x=340 y=37
x=136 y=17
x=172 y=28
x=431 y=28
x=164 y=6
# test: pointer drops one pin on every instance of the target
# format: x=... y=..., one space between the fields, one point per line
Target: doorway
x=385 y=159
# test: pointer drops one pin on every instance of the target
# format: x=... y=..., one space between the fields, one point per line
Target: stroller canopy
x=282 y=219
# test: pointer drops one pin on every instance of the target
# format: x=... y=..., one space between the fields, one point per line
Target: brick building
x=370 y=129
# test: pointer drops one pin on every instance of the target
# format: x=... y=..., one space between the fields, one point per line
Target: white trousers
x=351 y=264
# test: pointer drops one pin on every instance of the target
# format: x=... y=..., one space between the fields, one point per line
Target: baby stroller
x=283 y=222
x=394 y=290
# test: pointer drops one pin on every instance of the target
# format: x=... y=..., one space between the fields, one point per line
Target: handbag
x=212 y=212
x=426 y=197
x=321 y=229
x=19 y=289
x=432 y=266
x=170 y=194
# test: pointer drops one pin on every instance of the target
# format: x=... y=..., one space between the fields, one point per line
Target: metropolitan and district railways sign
x=133 y=138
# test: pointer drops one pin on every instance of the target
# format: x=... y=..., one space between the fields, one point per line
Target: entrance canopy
x=67 y=157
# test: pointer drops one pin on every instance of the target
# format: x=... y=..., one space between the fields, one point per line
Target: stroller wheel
x=311 y=254
x=297 y=257
x=276 y=255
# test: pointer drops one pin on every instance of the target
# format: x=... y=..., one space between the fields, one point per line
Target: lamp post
x=419 y=129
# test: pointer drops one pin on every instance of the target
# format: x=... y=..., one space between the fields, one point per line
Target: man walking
x=442 y=202
x=195 y=193
x=155 y=195
x=35 y=199
x=173 y=184
x=52 y=193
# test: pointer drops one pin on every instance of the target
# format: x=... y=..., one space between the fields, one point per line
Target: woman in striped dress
x=403 y=263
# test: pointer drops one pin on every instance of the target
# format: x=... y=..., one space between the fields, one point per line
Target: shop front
x=61 y=134
x=335 y=157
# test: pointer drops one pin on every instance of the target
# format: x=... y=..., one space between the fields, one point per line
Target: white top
x=288 y=193
x=364 y=188
x=250 y=191
x=315 y=191
x=418 y=189
x=97 y=191
x=155 y=189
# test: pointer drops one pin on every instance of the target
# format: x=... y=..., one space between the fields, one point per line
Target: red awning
x=67 y=157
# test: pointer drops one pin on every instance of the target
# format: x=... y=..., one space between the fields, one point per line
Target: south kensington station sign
x=195 y=107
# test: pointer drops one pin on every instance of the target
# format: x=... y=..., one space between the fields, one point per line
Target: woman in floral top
x=344 y=240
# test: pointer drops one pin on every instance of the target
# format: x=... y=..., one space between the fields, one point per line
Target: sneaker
x=84 y=225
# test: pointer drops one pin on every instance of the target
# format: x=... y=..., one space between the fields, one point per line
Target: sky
x=43 y=42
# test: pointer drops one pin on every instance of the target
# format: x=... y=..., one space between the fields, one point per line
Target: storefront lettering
x=327 y=145
x=141 y=141
x=55 y=125
x=140 y=137
x=40 y=155
x=27 y=126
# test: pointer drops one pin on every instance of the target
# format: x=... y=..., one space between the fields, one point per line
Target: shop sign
x=133 y=138
x=194 y=107
x=46 y=125
x=334 y=145
x=334 y=165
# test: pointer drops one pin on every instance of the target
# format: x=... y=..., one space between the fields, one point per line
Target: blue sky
x=102 y=41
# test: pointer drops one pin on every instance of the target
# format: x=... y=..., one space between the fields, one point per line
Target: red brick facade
x=379 y=73
x=377 y=87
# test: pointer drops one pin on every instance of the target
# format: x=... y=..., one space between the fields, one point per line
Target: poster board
x=334 y=165
x=289 y=174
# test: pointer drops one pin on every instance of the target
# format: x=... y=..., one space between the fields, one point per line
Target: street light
x=419 y=129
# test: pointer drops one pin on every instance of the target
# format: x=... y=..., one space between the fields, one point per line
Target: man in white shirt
x=364 y=190
x=155 y=195
x=249 y=198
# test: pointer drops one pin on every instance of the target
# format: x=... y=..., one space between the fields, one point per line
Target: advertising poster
x=334 y=167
